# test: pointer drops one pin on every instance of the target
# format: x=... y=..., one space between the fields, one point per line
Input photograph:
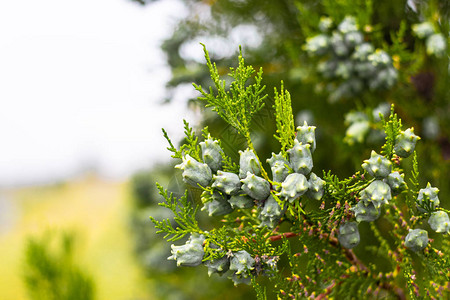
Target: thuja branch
x=257 y=208
x=240 y=101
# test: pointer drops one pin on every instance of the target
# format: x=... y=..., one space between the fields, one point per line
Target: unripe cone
x=256 y=187
x=431 y=193
x=356 y=132
x=227 y=182
x=378 y=166
x=377 y=193
x=248 y=162
x=362 y=51
x=416 y=240
x=436 y=45
x=423 y=30
x=354 y=38
x=366 y=212
x=439 y=221
x=271 y=213
x=240 y=279
x=317 y=45
x=278 y=166
x=215 y=204
x=325 y=23
x=241 y=201
x=189 y=254
x=300 y=158
x=349 y=235
x=405 y=142
x=220 y=265
x=293 y=187
x=212 y=154
x=338 y=45
x=316 y=184
x=307 y=135
x=241 y=262
x=397 y=182
x=194 y=172
x=348 y=25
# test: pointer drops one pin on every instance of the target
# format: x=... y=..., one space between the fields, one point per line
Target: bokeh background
x=82 y=87
x=86 y=87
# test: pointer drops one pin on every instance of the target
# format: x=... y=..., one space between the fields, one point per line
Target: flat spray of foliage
x=51 y=272
x=298 y=235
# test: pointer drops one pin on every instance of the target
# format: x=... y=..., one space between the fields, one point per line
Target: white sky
x=80 y=83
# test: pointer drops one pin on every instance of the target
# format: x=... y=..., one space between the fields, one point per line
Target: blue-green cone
x=227 y=182
x=377 y=192
x=338 y=45
x=248 y=162
x=256 y=187
x=416 y=240
x=397 y=182
x=241 y=262
x=365 y=69
x=215 y=204
x=240 y=278
x=423 y=30
x=315 y=190
x=365 y=212
x=325 y=23
x=378 y=166
x=348 y=25
x=195 y=172
x=384 y=79
x=241 y=201
x=307 y=135
x=436 y=45
x=405 y=142
x=293 y=187
x=384 y=109
x=349 y=235
x=271 y=213
x=356 y=132
x=380 y=59
x=278 y=166
x=212 y=154
x=317 y=45
x=300 y=158
x=362 y=51
x=439 y=221
x=430 y=193
x=189 y=254
x=220 y=265
x=353 y=38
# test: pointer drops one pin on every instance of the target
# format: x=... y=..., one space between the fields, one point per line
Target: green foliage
x=392 y=128
x=50 y=270
x=381 y=266
x=414 y=180
x=190 y=146
x=241 y=102
x=184 y=216
x=284 y=118
x=321 y=265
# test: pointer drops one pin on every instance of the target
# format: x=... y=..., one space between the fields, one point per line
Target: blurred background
x=86 y=87
x=82 y=86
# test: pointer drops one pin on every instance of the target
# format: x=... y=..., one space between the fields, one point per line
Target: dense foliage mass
x=344 y=63
x=51 y=271
x=294 y=214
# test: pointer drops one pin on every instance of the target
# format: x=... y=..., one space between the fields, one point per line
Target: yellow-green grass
x=96 y=211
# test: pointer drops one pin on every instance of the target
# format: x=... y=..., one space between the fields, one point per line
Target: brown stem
x=327 y=291
x=351 y=257
x=280 y=236
x=398 y=291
